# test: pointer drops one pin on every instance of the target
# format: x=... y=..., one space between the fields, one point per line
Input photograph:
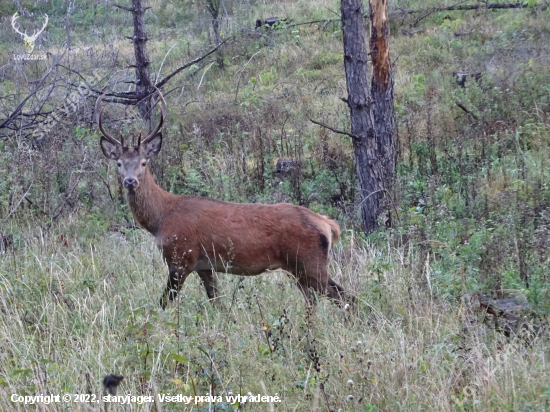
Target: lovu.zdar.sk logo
x=28 y=39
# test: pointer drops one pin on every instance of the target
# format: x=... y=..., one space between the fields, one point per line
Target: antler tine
x=107 y=135
x=35 y=35
x=163 y=116
x=13 y=21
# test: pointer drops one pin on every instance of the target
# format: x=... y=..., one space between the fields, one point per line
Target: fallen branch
x=465 y=7
x=458 y=6
x=163 y=60
x=373 y=193
x=461 y=6
x=326 y=21
x=466 y=109
x=196 y=101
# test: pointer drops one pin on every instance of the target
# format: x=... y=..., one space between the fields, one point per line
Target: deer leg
x=306 y=291
x=337 y=292
x=176 y=278
x=209 y=282
x=322 y=284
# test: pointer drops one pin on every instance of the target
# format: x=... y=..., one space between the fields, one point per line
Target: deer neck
x=149 y=203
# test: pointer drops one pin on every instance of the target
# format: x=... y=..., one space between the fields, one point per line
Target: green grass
x=471 y=213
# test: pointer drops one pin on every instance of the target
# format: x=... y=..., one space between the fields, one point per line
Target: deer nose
x=130 y=183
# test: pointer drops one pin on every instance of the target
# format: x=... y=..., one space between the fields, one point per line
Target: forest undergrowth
x=469 y=217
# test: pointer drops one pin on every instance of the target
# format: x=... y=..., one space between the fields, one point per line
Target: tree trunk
x=382 y=88
x=214 y=7
x=371 y=111
x=143 y=75
x=216 y=28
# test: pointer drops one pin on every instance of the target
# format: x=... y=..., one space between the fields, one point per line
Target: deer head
x=131 y=161
x=29 y=40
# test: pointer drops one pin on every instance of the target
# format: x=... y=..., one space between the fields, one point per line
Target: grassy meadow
x=470 y=213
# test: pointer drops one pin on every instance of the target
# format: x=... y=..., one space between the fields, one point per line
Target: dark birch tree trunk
x=371 y=109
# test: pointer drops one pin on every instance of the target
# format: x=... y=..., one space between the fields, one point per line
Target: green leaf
x=178 y=358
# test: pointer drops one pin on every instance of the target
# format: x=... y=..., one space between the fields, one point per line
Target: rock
x=462 y=76
x=507 y=315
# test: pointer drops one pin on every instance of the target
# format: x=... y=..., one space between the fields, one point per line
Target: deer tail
x=335 y=230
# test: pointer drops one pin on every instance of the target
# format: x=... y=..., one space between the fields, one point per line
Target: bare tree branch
x=131 y=9
x=333 y=129
x=123 y=95
x=19 y=108
x=186 y=65
x=466 y=109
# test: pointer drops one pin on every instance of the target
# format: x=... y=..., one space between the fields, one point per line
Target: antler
x=107 y=135
x=147 y=139
x=25 y=35
x=163 y=116
x=13 y=21
x=35 y=35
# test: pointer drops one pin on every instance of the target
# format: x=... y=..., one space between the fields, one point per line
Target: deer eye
x=119 y=164
x=144 y=163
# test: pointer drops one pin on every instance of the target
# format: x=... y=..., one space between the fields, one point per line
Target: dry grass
x=73 y=314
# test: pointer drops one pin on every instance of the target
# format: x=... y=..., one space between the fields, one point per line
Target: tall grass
x=73 y=312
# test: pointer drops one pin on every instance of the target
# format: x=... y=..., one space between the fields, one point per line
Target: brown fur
x=205 y=236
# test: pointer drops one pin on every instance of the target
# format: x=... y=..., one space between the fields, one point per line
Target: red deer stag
x=202 y=235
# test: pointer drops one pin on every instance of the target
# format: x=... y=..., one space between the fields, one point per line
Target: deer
x=202 y=235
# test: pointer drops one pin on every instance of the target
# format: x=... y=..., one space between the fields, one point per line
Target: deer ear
x=152 y=147
x=109 y=149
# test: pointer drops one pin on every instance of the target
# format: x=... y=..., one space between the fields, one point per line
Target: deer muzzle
x=130 y=183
